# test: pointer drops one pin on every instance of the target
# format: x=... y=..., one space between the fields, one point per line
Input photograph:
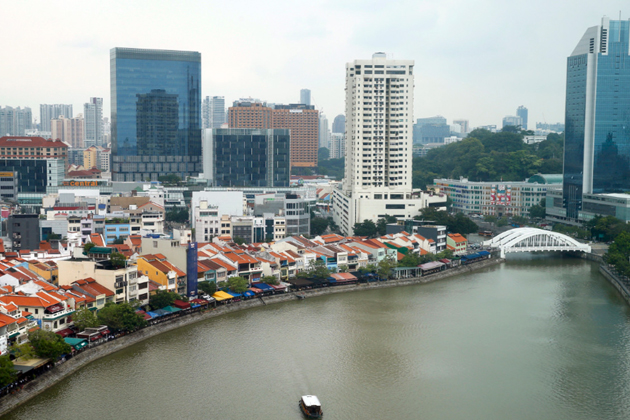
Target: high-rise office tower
x=305 y=96
x=93 y=122
x=205 y=113
x=49 y=112
x=156 y=113
x=512 y=120
x=464 y=124
x=379 y=119
x=15 y=121
x=217 y=111
x=597 y=116
x=247 y=157
x=339 y=124
x=323 y=130
x=521 y=111
x=301 y=119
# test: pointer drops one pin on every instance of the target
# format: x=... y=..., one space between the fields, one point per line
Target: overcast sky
x=477 y=60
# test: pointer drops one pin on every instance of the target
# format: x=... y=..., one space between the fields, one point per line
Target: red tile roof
x=20 y=141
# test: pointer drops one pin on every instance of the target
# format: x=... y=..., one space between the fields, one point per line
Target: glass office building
x=247 y=157
x=156 y=113
x=597 y=119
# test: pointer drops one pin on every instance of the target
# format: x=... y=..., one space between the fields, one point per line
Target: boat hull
x=308 y=414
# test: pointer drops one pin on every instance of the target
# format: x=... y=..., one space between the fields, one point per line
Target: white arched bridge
x=534 y=240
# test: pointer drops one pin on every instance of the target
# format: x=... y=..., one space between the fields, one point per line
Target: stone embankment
x=616 y=281
x=62 y=371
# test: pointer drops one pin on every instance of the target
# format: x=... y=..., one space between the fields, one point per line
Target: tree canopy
x=47 y=344
x=120 y=317
x=457 y=223
x=367 y=228
x=487 y=156
x=207 y=287
x=237 y=284
x=177 y=215
x=84 y=318
x=8 y=374
x=318 y=225
x=162 y=299
x=317 y=271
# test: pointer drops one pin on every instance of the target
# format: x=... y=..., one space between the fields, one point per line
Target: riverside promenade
x=62 y=371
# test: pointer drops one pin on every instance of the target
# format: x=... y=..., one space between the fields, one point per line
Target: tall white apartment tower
x=379 y=136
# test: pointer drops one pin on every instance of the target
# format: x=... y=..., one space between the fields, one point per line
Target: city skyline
x=465 y=70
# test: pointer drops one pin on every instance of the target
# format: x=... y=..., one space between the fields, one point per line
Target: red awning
x=105 y=332
x=65 y=332
x=181 y=304
x=94 y=337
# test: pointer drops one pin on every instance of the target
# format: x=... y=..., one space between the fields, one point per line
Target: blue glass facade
x=156 y=113
x=597 y=120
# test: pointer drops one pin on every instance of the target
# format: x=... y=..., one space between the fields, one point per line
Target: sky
x=477 y=60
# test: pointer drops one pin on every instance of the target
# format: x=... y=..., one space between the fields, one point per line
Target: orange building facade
x=302 y=120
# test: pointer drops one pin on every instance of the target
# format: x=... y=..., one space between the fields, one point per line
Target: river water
x=539 y=337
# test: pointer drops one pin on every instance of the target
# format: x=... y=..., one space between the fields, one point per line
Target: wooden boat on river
x=311 y=407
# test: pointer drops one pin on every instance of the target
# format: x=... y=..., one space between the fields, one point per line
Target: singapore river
x=539 y=337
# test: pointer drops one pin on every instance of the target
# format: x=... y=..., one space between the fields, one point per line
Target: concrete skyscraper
x=51 y=112
x=521 y=111
x=305 y=96
x=93 y=122
x=339 y=124
x=597 y=119
x=156 y=113
x=379 y=120
x=15 y=121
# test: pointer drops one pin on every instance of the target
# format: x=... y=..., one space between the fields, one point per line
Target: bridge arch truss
x=534 y=240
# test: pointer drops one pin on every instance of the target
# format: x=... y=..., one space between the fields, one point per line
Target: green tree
x=343 y=268
x=87 y=247
x=118 y=260
x=84 y=318
x=386 y=267
x=502 y=222
x=24 y=351
x=162 y=299
x=238 y=240
x=367 y=228
x=8 y=374
x=318 y=225
x=120 y=317
x=177 y=215
x=331 y=167
x=323 y=154
x=317 y=271
x=170 y=179
x=520 y=220
x=447 y=253
x=537 y=212
x=270 y=280
x=207 y=287
x=332 y=225
x=409 y=260
x=47 y=344
x=490 y=218
x=381 y=224
x=238 y=284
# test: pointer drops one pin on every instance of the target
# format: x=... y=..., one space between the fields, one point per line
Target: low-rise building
x=457 y=243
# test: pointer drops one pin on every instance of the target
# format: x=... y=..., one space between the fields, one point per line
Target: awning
x=249 y=293
x=143 y=314
x=255 y=290
x=65 y=332
x=173 y=309
x=105 y=332
x=234 y=294
x=262 y=286
x=77 y=343
x=181 y=304
x=300 y=282
x=431 y=265
x=221 y=295
x=153 y=314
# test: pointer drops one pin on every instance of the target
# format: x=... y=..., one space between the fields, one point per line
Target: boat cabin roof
x=310 y=401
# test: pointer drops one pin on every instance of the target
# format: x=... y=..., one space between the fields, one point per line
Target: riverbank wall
x=617 y=283
x=63 y=371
